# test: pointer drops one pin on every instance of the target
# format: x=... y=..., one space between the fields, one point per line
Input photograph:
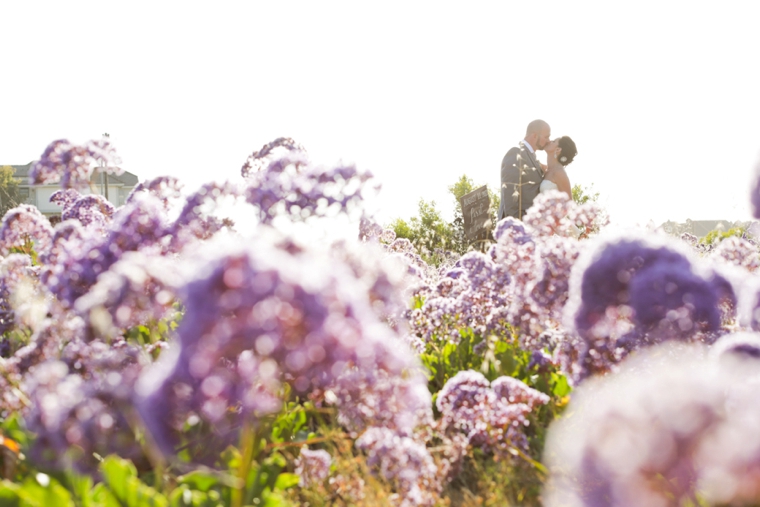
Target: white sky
x=662 y=98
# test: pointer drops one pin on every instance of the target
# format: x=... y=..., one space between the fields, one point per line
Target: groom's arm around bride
x=521 y=173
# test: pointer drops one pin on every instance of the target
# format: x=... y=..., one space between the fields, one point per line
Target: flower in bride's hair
x=563 y=159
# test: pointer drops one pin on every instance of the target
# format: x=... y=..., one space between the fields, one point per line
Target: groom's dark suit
x=519 y=159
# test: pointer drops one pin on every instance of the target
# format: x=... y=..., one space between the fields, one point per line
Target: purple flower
x=511 y=390
x=164 y=188
x=13 y=269
x=24 y=224
x=260 y=159
x=290 y=186
x=511 y=228
x=369 y=230
x=196 y=220
x=80 y=255
x=72 y=164
x=256 y=318
x=138 y=288
x=491 y=418
x=738 y=252
x=73 y=417
x=549 y=213
x=674 y=296
x=65 y=197
x=312 y=466
x=404 y=462
x=670 y=426
x=92 y=210
x=632 y=292
x=380 y=398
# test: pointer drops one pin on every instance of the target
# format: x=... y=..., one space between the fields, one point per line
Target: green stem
x=248 y=440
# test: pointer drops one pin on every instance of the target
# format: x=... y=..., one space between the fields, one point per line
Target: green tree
x=582 y=195
x=9 y=192
x=428 y=232
x=718 y=235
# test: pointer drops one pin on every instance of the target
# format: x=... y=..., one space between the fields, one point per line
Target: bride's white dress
x=547 y=185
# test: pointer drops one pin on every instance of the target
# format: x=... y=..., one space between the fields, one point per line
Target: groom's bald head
x=538 y=134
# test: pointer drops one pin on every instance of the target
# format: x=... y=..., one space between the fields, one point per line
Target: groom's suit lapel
x=533 y=160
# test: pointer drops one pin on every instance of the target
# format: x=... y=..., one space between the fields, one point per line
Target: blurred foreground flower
x=259 y=318
x=673 y=427
x=629 y=292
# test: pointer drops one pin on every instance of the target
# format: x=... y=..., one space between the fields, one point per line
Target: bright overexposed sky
x=662 y=98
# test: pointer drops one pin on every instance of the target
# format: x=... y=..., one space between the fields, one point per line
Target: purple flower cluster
x=196 y=220
x=73 y=164
x=65 y=197
x=91 y=210
x=137 y=289
x=492 y=415
x=383 y=277
x=312 y=466
x=164 y=188
x=24 y=224
x=671 y=427
x=290 y=186
x=78 y=254
x=350 y=488
x=255 y=319
x=405 y=463
x=13 y=269
x=634 y=291
x=469 y=295
x=555 y=213
x=82 y=406
x=261 y=158
x=737 y=251
x=380 y=398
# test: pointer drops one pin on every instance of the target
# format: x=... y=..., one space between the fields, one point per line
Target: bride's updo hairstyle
x=569 y=151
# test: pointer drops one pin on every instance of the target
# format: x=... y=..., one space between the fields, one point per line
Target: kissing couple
x=523 y=177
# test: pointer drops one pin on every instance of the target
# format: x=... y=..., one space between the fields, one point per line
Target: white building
x=119 y=188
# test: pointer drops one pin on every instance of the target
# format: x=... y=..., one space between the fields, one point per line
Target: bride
x=559 y=153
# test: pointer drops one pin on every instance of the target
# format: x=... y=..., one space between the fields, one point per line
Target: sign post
x=475 y=212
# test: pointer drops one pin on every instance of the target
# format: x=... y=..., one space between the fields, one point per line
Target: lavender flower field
x=157 y=354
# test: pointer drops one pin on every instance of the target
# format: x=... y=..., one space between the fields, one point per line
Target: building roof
x=126 y=178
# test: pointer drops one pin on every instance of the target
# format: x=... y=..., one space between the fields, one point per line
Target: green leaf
x=286 y=480
x=185 y=497
x=81 y=487
x=42 y=491
x=561 y=387
x=9 y=494
x=121 y=478
x=117 y=472
x=202 y=481
x=275 y=500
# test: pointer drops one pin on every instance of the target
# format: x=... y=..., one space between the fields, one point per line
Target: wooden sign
x=475 y=211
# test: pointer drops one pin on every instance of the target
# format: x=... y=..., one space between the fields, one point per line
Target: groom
x=521 y=172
